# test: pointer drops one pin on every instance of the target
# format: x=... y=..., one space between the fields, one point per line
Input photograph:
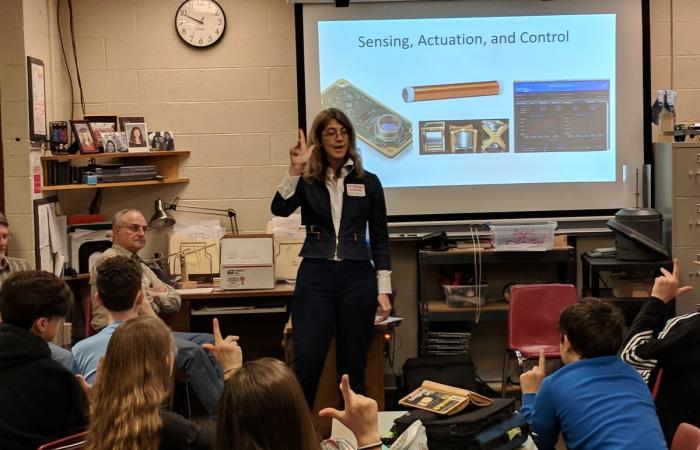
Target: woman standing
x=343 y=279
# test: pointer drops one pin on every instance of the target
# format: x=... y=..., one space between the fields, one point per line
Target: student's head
x=589 y=329
x=263 y=407
x=333 y=136
x=118 y=283
x=132 y=382
x=129 y=230
x=35 y=301
x=4 y=235
x=167 y=135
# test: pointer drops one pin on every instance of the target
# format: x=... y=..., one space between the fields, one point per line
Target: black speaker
x=342 y=3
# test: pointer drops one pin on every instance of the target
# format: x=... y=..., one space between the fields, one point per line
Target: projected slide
x=476 y=101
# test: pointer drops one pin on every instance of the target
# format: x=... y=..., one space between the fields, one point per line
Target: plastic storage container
x=525 y=237
x=461 y=296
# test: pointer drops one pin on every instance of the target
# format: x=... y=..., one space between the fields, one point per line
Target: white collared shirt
x=336 y=190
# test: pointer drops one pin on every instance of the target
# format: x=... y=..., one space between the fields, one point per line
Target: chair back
x=687 y=437
x=534 y=312
x=72 y=442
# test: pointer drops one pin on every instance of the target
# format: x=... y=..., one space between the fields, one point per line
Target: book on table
x=443 y=399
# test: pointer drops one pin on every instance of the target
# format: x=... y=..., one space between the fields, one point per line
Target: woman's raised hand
x=299 y=155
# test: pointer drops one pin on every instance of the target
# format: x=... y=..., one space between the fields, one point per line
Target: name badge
x=356 y=190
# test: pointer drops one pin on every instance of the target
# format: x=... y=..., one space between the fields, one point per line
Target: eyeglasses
x=135 y=228
x=333 y=132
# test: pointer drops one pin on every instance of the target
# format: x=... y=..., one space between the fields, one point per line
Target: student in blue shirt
x=597 y=401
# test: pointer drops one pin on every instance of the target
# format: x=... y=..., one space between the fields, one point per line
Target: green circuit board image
x=381 y=128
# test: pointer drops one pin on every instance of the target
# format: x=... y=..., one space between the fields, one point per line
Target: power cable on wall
x=75 y=56
x=65 y=57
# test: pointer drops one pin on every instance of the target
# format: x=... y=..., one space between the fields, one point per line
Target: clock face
x=200 y=23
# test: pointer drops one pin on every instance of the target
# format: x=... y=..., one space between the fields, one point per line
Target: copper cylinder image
x=445 y=91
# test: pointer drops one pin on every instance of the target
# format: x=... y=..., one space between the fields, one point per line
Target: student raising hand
x=226 y=351
x=531 y=380
x=360 y=416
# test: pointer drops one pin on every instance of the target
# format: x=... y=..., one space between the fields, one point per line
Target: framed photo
x=59 y=137
x=168 y=140
x=124 y=120
x=37 y=99
x=101 y=124
x=137 y=134
x=123 y=144
x=83 y=134
x=109 y=142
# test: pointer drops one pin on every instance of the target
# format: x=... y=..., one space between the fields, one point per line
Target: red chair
x=533 y=314
x=73 y=442
x=687 y=437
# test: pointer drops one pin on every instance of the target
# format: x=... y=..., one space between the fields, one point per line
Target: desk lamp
x=161 y=219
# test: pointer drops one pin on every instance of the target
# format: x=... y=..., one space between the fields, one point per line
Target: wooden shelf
x=167 y=165
x=439 y=311
x=114 y=155
x=73 y=187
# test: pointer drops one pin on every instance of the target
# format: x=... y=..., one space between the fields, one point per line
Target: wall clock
x=200 y=23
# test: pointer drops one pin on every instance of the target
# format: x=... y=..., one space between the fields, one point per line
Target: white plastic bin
x=523 y=237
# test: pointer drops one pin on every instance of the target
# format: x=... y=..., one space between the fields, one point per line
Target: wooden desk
x=257 y=316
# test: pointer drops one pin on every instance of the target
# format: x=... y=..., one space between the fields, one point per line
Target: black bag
x=457 y=371
x=475 y=428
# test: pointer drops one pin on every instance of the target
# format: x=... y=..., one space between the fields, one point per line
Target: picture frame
x=37 y=99
x=101 y=124
x=110 y=144
x=124 y=120
x=85 y=137
x=121 y=140
x=137 y=136
x=59 y=137
x=161 y=140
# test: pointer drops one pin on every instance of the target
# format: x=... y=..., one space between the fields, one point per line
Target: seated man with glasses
x=128 y=238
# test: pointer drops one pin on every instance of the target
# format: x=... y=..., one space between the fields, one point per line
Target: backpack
x=476 y=428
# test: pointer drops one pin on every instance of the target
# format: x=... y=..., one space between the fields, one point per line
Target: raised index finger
x=217 y=331
x=676 y=269
x=302 y=136
x=543 y=360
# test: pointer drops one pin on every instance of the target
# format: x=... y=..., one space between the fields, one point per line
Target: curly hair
x=118 y=282
x=132 y=383
x=318 y=162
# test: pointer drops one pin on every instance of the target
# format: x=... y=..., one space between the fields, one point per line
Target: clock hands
x=184 y=13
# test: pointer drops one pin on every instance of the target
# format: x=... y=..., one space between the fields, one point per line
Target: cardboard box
x=287 y=258
x=247 y=262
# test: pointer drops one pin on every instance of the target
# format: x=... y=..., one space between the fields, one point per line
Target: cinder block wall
x=675 y=55
x=233 y=105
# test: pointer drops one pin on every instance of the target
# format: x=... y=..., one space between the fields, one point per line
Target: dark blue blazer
x=357 y=214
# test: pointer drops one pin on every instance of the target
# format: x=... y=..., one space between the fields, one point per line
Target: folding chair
x=533 y=314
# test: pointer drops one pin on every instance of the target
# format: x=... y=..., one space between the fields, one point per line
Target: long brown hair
x=132 y=383
x=263 y=408
x=318 y=162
